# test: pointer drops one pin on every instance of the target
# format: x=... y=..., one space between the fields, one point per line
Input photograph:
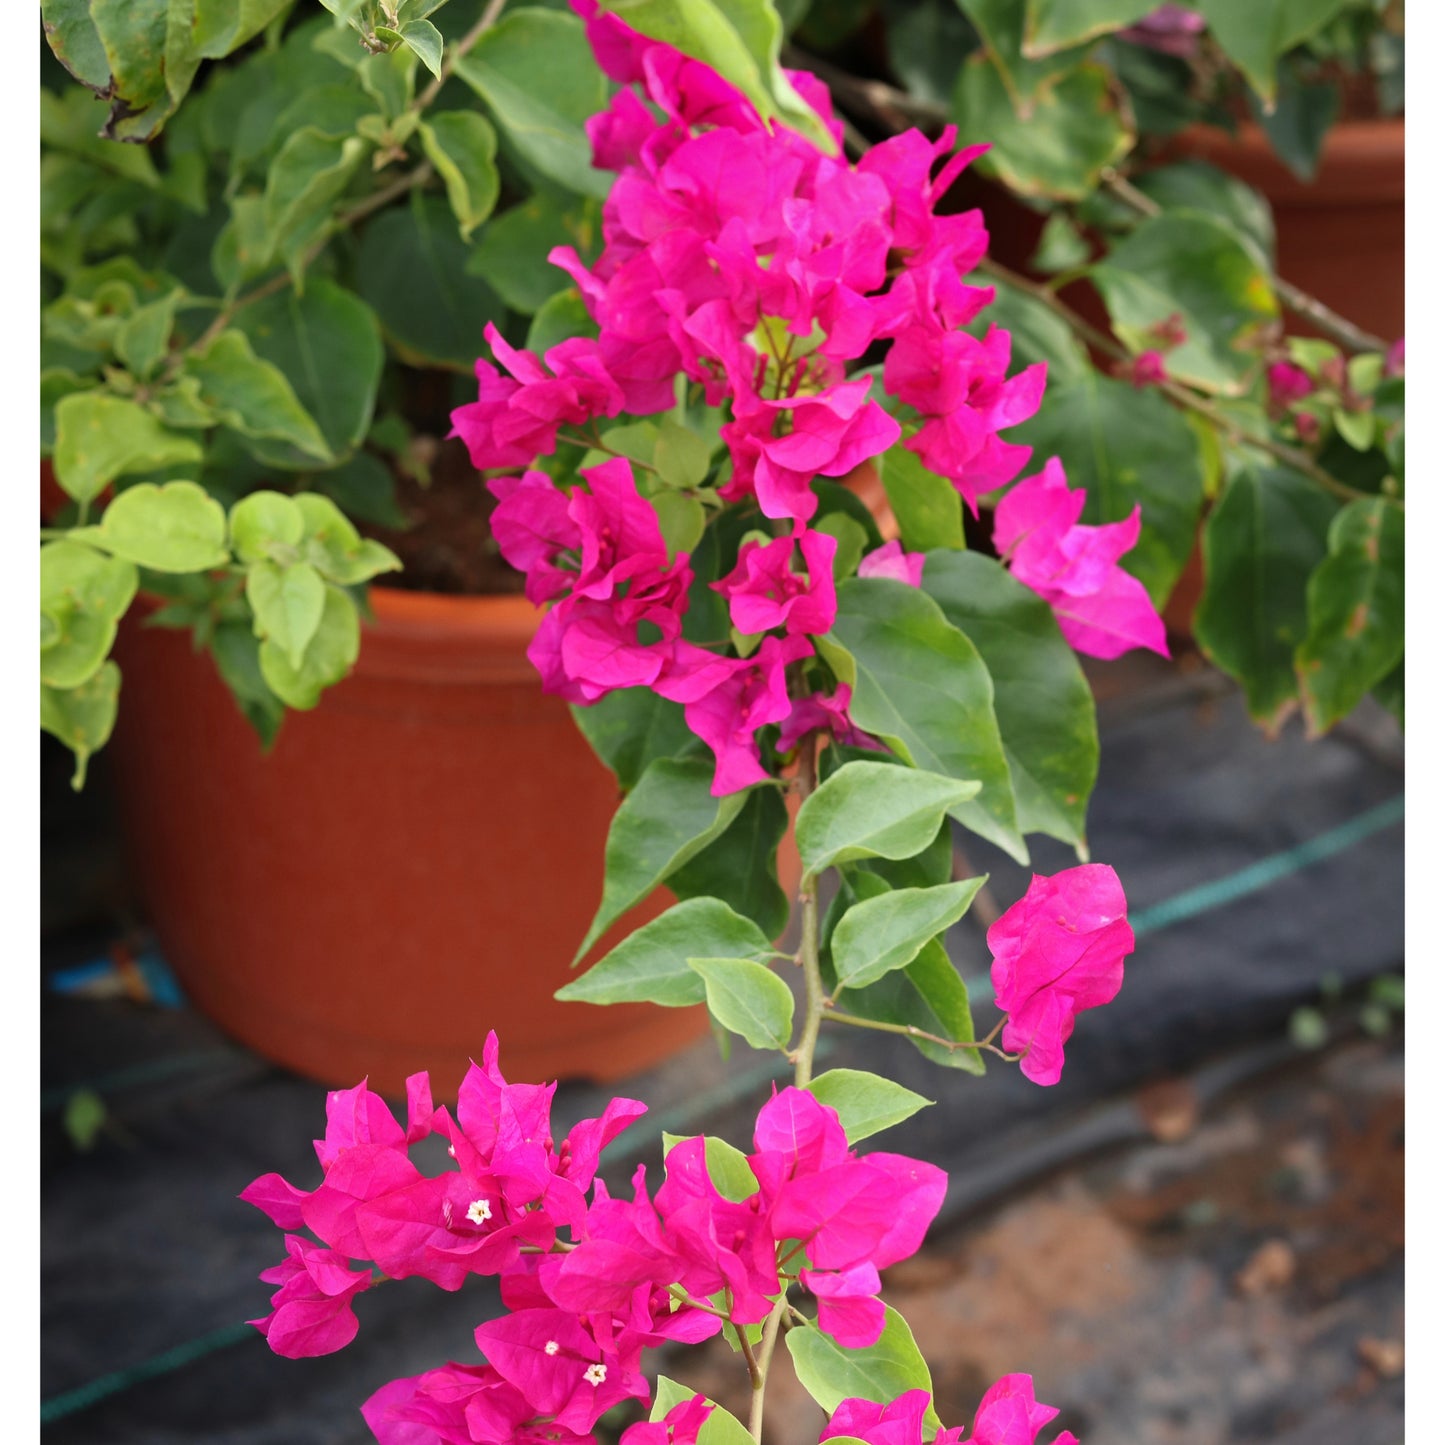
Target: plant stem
x=1353 y=337
x=765 y=1354
x=808 y=945
x=913 y=1032
x=741 y=1332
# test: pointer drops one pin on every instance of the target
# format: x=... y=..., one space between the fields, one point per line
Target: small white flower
x=595 y=1374
x=551 y=1347
x=479 y=1211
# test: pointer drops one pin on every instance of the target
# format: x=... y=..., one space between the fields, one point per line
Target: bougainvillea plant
x=766 y=318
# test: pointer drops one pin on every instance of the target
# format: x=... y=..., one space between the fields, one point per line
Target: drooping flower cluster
x=744 y=261
x=1101 y=609
x=1056 y=952
x=580 y=1311
x=1008 y=1414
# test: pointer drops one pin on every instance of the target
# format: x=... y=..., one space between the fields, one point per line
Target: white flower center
x=452 y=1150
x=551 y=1347
x=479 y=1211
x=595 y=1374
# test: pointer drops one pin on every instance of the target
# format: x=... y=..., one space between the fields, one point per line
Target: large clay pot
x=413 y=864
x=1341 y=236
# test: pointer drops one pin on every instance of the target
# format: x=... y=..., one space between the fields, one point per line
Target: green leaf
x=327 y=342
x=741 y=866
x=561 y=317
x=1198 y=186
x=878 y=935
x=307 y=177
x=681 y=519
x=1061 y=246
x=253 y=397
x=682 y=457
x=288 y=602
x=236 y=651
x=424 y=40
x=1043 y=702
x=75 y=41
x=631 y=727
x=650 y=964
x=1189 y=265
x=1051 y=25
x=920 y=685
x=928 y=509
x=669 y=817
x=364 y=488
x=330 y=655
x=875 y=810
x=1126 y=447
x=265 y=523
x=1038 y=334
x=1263 y=539
x=221 y=26
x=390 y=80
x=739 y=39
x=727 y=1166
x=1389 y=692
x=99 y=437
x=865 y=1103
x=928 y=995
x=170 y=528
x=83 y=1118
x=747 y=998
x=852 y=541
x=83 y=595
x=463 y=148
x=1303 y=115
x=142 y=341
x=82 y=717
x=934 y=865
x=536 y=73
x=511 y=254
x=335 y=548
x=720 y=1428
x=412 y=271
x=1073 y=129
x=881 y=1373
x=1255 y=33
x=1356 y=611
x=1000 y=27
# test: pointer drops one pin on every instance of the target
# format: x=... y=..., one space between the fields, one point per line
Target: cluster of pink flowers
x=1008 y=1414
x=580 y=1311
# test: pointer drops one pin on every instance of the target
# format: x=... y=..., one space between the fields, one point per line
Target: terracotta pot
x=1341 y=237
x=412 y=865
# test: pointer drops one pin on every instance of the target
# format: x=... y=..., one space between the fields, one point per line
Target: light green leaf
x=920 y=685
x=83 y=595
x=747 y=998
x=1255 y=33
x=265 y=523
x=288 y=602
x=878 y=935
x=463 y=148
x=1189 y=265
x=560 y=318
x=307 y=177
x=335 y=548
x=536 y=73
x=99 y=437
x=1043 y=702
x=875 y=810
x=330 y=655
x=1356 y=611
x=1263 y=539
x=170 y=528
x=682 y=457
x=720 y=1428
x=650 y=964
x=1198 y=186
x=669 y=817
x=82 y=717
x=327 y=341
x=424 y=40
x=928 y=509
x=865 y=1103
x=681 y=519
x=881 y=1373
x=253 y=397
x=511 y=254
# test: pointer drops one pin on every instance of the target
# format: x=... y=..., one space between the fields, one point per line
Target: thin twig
x=911 y=1031
x=456 y=52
